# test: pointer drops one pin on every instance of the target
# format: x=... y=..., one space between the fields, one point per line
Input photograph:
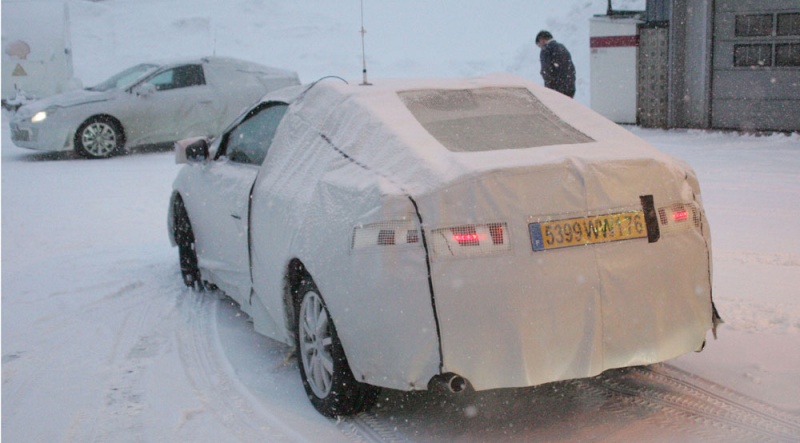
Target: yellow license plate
x=587 y=230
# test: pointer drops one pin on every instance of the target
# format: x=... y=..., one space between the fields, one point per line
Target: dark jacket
x=557 y=68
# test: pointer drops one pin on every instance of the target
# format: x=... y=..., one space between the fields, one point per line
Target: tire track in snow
x=56 y=361
x=367 y=427
x=693 y=405
x=742 y=412
x=244 y=413
x=135 y=344
x=245 y=410
x=661 y=401
x=211 y=378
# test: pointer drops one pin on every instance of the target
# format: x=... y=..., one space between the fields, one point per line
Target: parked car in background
x=149 y=103
x=474 y=233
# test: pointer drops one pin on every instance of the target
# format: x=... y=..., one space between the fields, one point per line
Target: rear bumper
x=572 y=313
x=522 y=317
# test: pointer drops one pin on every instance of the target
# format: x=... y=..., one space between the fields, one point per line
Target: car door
x=222 y=206
x=172 y=104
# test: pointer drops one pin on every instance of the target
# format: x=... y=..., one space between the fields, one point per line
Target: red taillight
x=466 y=236
x=471 y=240
x=680 y=215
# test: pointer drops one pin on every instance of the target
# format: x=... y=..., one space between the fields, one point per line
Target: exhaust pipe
x=450 y=382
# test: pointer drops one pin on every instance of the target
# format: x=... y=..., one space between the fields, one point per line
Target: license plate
x=587 y=230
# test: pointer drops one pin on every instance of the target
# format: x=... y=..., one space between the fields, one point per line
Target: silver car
x=149 y=103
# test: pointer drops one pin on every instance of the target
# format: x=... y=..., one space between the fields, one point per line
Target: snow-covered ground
x=102 y=342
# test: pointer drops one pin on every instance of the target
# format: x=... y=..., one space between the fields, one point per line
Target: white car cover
x=365 y=184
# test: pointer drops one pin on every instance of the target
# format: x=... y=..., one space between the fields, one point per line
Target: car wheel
x=98 y=137
x=184 y=237
x=326 y=375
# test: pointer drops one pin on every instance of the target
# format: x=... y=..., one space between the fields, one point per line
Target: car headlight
x=39 y=117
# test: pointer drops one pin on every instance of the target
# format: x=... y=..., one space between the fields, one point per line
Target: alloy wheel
x=316 y=343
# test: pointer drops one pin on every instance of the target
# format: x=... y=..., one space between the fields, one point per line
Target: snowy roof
x=427 y=132
x=231 y=62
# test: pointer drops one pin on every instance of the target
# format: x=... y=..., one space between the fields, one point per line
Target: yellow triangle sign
x=19 y=72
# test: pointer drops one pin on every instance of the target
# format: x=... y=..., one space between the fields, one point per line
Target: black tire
x=99 y=137
x=184 y=237
x=331 y=387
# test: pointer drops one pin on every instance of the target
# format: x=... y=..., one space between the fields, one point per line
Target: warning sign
x=19 y=71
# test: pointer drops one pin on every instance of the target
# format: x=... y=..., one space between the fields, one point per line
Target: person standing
x=558 y=71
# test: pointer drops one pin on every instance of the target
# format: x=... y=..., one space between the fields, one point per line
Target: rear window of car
x=487 y=119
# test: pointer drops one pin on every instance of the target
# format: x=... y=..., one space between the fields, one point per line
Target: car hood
x=67 y=99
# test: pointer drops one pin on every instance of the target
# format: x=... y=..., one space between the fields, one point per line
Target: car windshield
x=486 y=119
x=124 y=78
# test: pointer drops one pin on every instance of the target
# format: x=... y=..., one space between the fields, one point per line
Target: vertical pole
x=363 y=50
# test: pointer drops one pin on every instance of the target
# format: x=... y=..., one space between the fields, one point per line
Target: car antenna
x=363 y=50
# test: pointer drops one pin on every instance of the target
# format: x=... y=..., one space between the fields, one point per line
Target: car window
x=486 y=119
x=180 y=77
x=125 y=78
x=250 y=140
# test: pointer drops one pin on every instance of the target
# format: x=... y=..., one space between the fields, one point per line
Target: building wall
x=653 y=71
x=690 y=64
x=731 y=67
x=613 y=43
x=756 y=69
x=658 y=10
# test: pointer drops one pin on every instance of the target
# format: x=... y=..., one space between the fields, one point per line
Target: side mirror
x=145 y=89
x=192 y=150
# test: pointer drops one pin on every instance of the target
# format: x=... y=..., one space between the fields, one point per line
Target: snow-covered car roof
x=215 y=59
x=248 y=66
x=425 y=133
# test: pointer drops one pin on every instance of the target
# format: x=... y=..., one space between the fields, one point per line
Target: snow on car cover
x=485 y=227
